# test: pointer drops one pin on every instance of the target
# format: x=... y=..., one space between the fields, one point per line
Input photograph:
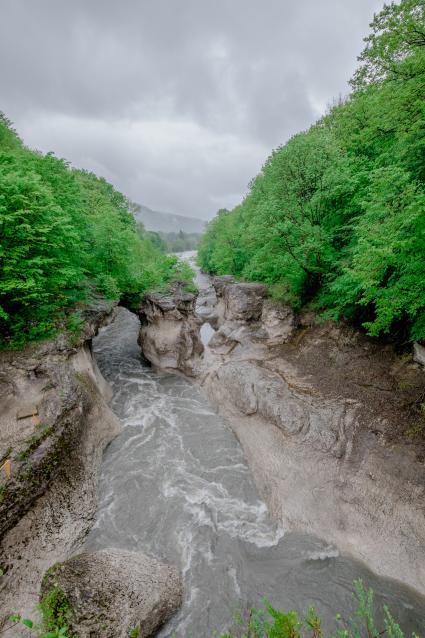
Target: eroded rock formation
x=169 y=333
x=111 y=593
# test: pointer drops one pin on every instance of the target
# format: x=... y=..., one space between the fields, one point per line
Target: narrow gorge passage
x=175 y=484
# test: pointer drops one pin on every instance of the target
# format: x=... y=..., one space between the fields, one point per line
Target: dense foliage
x=180 y=242
x=337 y=215
x=173 y=242
x=65 y=237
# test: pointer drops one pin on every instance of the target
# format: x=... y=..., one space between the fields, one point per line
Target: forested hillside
x=161 y=222
x=66 y=236
x=336 y=218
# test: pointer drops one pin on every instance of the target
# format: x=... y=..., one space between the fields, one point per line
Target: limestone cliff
x=55 y=424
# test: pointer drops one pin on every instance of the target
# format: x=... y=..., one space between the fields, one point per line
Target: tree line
x=67 y=237
x=336 y=217
x=173 y=242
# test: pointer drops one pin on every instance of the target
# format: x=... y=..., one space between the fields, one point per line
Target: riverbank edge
x=56 y=423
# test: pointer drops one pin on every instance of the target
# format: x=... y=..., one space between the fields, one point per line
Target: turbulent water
x=175 y=485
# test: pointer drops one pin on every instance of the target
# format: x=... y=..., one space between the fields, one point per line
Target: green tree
x=336 y=215
x=65 y=236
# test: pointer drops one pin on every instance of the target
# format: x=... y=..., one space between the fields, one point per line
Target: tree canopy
x=337 y=215
x=66 y=236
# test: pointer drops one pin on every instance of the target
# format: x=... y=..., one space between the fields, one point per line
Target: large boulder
x=244 y=301
x=111 y=593
x=170 y=331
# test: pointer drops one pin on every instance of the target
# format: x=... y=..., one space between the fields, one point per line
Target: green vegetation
x=265 y=623
x=66 y=237
x=270 y=623
x=173 y=242
x=181 y=241
x=56 y=613
x=336 y=218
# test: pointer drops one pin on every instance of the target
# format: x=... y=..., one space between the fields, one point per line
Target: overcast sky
x=177 y=102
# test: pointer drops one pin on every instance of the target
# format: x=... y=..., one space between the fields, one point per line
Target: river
x=175 y=484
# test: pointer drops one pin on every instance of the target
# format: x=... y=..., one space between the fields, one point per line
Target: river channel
x=175 y=484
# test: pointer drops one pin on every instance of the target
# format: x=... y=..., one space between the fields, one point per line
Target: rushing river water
x=175 y=484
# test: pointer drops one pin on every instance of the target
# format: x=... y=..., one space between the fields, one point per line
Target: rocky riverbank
x=329 y=421
x=55 y=424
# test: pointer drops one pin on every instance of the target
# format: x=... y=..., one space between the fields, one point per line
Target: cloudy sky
x=176 y=102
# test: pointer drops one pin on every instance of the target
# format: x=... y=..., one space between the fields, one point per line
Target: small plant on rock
x=272 y=623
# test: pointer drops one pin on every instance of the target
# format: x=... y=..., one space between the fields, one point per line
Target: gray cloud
x=178 y=103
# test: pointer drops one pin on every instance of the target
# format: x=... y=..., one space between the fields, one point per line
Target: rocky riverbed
x=176 y=484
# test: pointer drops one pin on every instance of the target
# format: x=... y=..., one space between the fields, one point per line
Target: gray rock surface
x=111 y=592
x=206 y=307
x=288 y=403
x=49 y=501
x=169 y=334
x=419 y=353
x=278 y=321
x=220 y=282
x=312 y=411
x=243 y=301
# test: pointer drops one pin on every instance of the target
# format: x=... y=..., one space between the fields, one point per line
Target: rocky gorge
x=326 y=417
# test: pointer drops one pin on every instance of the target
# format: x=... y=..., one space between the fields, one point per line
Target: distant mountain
x=167 y=222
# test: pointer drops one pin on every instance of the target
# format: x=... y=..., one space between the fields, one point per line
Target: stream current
x=175 y=484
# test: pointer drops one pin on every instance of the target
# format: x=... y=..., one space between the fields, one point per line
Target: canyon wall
x=328 y=420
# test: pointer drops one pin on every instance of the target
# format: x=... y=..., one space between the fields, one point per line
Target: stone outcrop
x=55 y=424
x=246 y=315
x=279 y=397
x=278 y=321
x=243 y=302
x=169 y=334
x=323 y=415
x=110 y=593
